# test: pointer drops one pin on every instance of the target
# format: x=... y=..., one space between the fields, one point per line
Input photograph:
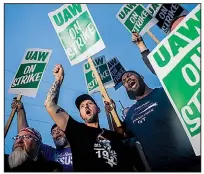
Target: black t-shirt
x=41 y=165
x=157 y=127
x=92 y=152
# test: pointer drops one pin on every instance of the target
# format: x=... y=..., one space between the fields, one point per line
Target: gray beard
x=62 y=142
x=17 y=157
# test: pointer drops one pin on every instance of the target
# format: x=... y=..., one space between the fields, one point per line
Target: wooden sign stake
x=103 y=91
x=153 y=37
x=11 y=117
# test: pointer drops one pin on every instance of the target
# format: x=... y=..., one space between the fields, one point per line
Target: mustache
x=19 y=145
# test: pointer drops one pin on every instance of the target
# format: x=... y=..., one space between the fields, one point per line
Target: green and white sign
x=30 y=72
x=103 y=71
x=77 y=32
x=176 y=61
x=116 y=69
x=135 y=18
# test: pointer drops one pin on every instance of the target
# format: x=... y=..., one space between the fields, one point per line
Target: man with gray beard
x=62 y=153
x=26 y=157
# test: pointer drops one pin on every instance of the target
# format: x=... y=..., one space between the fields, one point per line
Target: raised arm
x=22 y=121
x=59 y=115
x=120 y=130
x=137 y=39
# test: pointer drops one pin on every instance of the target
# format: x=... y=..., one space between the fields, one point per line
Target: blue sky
x=28 y=26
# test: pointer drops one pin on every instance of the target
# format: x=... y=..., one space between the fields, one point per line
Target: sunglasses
x=24 y=137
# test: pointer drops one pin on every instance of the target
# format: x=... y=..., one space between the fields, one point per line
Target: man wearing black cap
x=62 y=153
x=94 y=149
x=155 y=124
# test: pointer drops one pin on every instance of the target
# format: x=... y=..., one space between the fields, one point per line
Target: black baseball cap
x=83 y=97
x=54 y=125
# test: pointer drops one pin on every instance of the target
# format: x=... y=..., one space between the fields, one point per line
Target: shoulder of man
x=113 y=135
x=74 y=128
x=44 y=147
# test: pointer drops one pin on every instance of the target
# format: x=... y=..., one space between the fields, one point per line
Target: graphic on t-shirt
x=142 y=111
x=103 y=150
x=64 y=158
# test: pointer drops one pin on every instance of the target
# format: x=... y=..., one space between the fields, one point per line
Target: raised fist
x=136 y=38
x=58 y=72
x=17 y=104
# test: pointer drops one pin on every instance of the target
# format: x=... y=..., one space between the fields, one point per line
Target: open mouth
x=88 y=112
x=131 y=84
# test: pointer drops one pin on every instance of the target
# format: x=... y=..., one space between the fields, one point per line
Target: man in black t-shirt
x=26 y=156
x=93 y=148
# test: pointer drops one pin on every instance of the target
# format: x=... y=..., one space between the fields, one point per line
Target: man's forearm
x=119 y=130
x=53 y=94
x=146 y=60
x=142 y=47
x=145 y=51
x=58 y=114
x=22 y=121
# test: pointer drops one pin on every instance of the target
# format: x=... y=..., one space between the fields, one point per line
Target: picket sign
x=135 y=18
x=103 y=91
x=176 y=61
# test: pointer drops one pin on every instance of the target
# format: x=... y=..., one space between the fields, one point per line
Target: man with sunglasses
x=62 y=153
x=26 y=156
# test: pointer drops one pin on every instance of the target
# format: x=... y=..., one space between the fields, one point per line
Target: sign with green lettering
x=30 y=72
x=103 y=71
x=135 y=18
x=176 y=61
x=166 y=13
x=77 y=32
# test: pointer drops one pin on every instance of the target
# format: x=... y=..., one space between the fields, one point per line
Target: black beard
x=93 y=119
x=139 y=92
